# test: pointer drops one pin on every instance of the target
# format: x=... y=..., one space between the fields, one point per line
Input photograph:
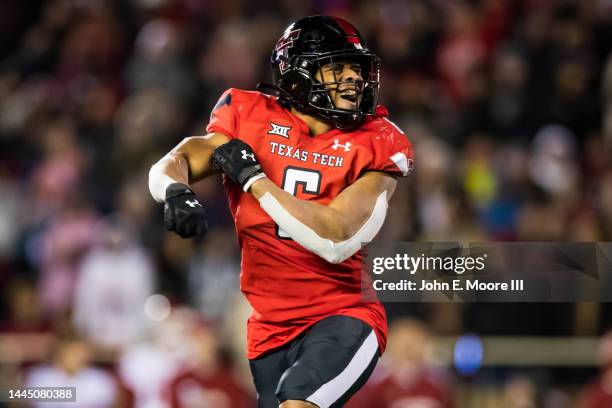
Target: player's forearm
x=323 y=220
x=189 y=162
x=172 y=168
x=198 y=151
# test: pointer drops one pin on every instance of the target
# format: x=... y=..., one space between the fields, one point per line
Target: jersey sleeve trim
x=402 y=162
x=391 y=150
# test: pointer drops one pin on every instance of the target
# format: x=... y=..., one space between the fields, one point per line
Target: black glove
x=237 y=160
x=183 y=213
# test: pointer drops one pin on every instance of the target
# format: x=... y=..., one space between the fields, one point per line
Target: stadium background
x=508 y=104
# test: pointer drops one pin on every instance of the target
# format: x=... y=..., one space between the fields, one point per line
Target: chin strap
x=271 y=89
x=284 y=97
x=287 y=100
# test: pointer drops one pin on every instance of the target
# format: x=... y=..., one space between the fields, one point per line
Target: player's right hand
x=183 y=213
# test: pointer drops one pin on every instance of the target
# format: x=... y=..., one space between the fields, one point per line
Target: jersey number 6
x=310 y=180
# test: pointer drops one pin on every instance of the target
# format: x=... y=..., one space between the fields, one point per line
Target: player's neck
x=315 y=125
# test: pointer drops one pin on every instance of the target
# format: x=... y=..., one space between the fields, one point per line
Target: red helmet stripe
x=348 y=29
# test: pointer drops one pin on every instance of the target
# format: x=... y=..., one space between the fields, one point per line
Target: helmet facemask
x=327 y=88
x=313 y=96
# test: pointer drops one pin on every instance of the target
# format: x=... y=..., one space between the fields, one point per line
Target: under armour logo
x=279 y=130
x=337 y=144
x=193 y=204
x=245 y=155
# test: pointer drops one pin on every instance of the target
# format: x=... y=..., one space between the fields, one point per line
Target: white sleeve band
x=159 y=181
x=250 y=182
x=333 y=252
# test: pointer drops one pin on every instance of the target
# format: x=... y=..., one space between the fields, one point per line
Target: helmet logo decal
x=283 y=46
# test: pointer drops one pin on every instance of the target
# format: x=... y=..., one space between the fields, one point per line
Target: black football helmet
x=303 y=49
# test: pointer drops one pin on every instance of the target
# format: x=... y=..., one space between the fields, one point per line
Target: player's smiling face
x=345 y=84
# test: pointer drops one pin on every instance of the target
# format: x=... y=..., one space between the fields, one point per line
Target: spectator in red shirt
x=208 y=382
x=598 y=394
x=410 y=381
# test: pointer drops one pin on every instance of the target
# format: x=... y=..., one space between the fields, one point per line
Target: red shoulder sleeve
x=223 y=117
x=391 y=149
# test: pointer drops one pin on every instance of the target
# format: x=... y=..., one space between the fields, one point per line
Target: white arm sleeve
x=159 y=181
x=333 y=252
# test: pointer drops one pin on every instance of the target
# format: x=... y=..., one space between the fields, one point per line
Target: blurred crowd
x=508 y=105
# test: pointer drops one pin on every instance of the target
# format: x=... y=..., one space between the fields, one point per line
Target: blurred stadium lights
x=519 y=351
x=157 y=307
x=468 y=354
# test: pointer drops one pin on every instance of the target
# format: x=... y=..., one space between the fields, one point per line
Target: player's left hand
x=238 y=162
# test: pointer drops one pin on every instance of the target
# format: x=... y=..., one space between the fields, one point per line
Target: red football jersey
x=289 y=287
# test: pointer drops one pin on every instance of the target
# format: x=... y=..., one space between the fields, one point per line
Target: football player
x=309 y=168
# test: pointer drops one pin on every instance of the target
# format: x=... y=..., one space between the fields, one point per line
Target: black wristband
x=177 y=189
x=237 y=160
